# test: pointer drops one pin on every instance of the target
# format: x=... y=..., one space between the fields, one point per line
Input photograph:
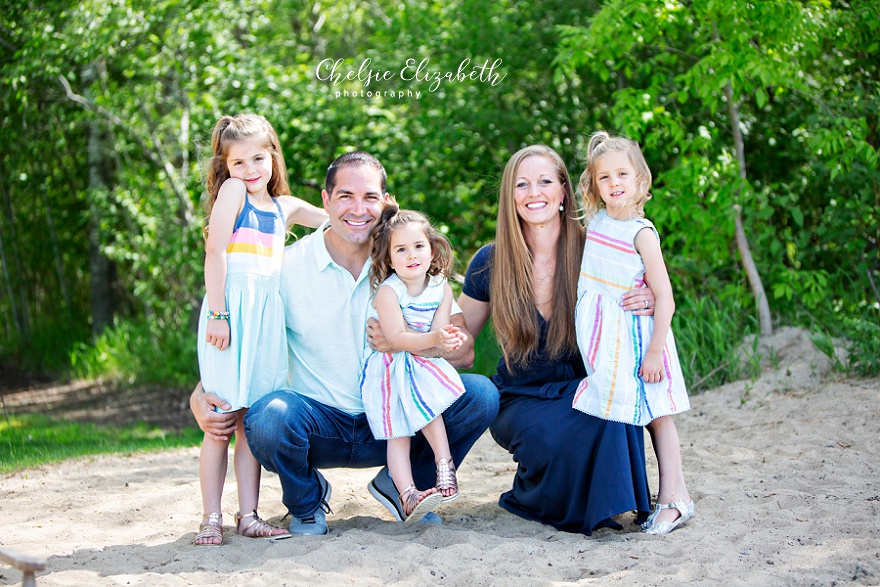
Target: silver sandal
x=446 y=479
x=409 y=500
x=211 y=530
x=685 y=510
x=258 y=527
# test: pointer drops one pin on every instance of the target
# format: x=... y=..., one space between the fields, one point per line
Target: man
x=319 y=423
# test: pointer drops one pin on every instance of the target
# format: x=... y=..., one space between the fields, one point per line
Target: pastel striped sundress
x=613 y=341
x=403 y=392
x=255 y=363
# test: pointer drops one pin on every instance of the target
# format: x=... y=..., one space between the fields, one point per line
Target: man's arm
x=216 y=425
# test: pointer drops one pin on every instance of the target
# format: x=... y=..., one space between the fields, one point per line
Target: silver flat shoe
x=686 y=512
x=650 y=519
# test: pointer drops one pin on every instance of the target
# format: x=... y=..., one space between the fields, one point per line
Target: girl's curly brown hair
x=391 y=219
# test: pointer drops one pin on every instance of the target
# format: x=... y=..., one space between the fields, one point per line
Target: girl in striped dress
x=633 y=371
x=242 y=345
x=404 y=392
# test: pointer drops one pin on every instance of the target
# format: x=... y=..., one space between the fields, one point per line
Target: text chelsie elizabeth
x=419 y=72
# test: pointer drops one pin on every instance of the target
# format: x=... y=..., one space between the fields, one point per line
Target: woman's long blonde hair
x=514 y=313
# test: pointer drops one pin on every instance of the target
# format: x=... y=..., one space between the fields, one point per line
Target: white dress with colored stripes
x=256 y=361
x=613 y=341
x=404 y=392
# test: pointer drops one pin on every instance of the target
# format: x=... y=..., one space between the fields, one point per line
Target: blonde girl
x=633 y=371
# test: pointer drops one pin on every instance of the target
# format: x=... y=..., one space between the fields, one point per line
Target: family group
x=343 y=349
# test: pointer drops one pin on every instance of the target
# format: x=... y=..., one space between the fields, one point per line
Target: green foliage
x=708 y=333
x=810 y=288
x=33 y=440
x=138 y=352
x=48 y=347
x=804 y=79
x=863 y=346
x=487 y=353
x=825 y=343
x=678 y=71
x=861 y=339
x=150 y=80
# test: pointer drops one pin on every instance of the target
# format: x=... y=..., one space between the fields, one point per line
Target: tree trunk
x=56 y=252
x=101 y=171
x=7 y=281
x=22 y=319
x=742 y=243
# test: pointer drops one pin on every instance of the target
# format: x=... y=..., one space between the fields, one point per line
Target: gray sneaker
x=382 y=488
x=315 y=524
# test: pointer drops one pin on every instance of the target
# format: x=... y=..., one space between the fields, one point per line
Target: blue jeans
x=292 y=435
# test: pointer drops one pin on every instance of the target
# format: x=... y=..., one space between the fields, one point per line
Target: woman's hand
x=216 y=425
x=639 y=301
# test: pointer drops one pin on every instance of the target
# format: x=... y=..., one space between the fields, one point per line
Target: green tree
x=843 y=134
x=758 y=119
x=691 y=78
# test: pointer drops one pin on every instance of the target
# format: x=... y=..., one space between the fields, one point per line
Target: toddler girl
x=404 y=392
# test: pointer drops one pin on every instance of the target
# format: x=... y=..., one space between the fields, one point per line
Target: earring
x=561 y=207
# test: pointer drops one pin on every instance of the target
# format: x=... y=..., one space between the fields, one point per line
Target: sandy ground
x=784 y=471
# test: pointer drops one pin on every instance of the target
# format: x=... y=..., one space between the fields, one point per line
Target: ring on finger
x=647 y=305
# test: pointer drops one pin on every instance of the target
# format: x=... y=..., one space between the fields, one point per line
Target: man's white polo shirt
x=326 y=313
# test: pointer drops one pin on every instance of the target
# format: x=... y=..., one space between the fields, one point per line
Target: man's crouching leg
x=278 y=427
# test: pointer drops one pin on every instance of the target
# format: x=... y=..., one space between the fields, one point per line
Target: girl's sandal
x=447 y=483
x=211 y=532
x=650 y=520
x=685 y=510
x=258 y=527
x=415 y=504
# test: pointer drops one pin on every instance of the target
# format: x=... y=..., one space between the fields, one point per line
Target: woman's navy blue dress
x=575 y=471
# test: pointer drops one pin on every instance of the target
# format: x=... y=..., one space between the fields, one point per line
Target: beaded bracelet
x=218 y=315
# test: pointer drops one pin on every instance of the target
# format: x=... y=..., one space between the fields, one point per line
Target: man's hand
x=376 y=339
x=216 y=425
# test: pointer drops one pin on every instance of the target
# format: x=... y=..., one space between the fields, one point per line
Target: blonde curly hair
x=602 y=143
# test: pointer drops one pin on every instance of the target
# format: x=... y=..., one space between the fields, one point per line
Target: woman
x=574 y=471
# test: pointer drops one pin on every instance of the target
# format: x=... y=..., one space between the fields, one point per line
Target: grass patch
x=708 y=333
x=139 y=352
x=861 y=339
x=47 y=351
x=31 y=440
